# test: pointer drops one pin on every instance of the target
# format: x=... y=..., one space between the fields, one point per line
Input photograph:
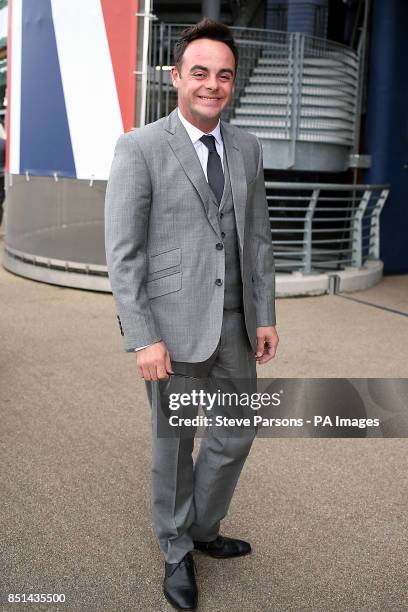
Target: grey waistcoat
x=227 y=223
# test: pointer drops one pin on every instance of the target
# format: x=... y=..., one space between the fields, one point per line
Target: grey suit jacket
x=161 y=232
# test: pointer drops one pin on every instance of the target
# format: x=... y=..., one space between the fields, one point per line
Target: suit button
x=218 y=282
x=222 y=234
x=219 y=246
x=221 y=215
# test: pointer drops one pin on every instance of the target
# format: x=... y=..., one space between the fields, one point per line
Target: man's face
x=205 y=82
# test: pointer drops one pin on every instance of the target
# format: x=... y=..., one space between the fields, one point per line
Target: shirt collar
x=195 y=134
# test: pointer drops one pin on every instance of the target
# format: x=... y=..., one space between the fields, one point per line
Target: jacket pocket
x=163 y=264
x=164 y=273
x=164 y=285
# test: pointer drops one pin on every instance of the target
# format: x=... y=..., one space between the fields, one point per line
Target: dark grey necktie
x=215 y=174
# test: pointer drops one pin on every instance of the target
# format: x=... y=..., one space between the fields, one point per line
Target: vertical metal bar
x=136 y=107
x=297 y=44
x=299 y=82
x=155 y=88
x=374 y=249
x=151 y=84
x=211 y=9
x=307 y=232
x=140 y=93
x=168 y=62
x=357 y=230
x=291 y=96
x=289 y=51
x=146 y=33
x=160 y=85
x=362 y=54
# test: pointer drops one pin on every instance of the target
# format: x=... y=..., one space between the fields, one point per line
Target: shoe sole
x=242 y=554
x=173 y=603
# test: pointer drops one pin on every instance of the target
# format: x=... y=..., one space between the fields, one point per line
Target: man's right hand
x=153 y=362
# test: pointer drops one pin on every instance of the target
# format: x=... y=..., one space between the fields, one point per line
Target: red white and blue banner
x=71 y=85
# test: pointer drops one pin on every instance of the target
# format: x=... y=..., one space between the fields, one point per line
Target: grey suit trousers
x=190 y=499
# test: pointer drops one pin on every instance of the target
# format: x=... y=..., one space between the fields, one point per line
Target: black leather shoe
x=179 y=586
x=224 y=548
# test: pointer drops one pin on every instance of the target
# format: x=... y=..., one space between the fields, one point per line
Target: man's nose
x=212 y=82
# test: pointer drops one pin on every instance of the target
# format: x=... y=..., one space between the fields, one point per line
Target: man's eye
x=199 y=74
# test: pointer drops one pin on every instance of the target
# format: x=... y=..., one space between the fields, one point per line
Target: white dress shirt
x=202 y=152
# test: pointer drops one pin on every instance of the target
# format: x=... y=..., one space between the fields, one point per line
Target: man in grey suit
x=191 y=266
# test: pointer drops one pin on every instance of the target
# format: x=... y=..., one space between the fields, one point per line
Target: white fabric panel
x=3 y=22
x=14 y=97
x=88 y=82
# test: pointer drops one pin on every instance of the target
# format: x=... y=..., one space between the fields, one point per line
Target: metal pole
x=307 y=235
x=374 y=249
x=145 y=64
x=151 y=75
x=357 y=227
x=211 y=9
x=297 y=52
x=160 y=87
x=169 y=84
x=361 y=51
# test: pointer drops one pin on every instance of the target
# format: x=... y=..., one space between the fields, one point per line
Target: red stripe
x=121 y=31
x=8 y=93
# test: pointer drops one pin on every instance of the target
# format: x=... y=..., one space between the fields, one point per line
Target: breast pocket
x=164 y=273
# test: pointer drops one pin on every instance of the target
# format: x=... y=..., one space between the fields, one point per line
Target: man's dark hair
x=206 y=28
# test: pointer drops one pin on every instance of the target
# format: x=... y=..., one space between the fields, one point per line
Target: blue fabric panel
x=45 y=142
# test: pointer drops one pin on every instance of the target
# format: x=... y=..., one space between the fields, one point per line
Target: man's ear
x=175 y=76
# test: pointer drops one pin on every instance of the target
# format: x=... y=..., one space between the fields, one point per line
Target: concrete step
x=343 y=71
x=271 y=99
x=306 y=124
x=306 y=81
x=270 y=71
x=306 y=89
x=262 y=111
x=311 y=61
x=282 y=110
x=320 y=137
x=274 y=61
x=263 y=100
x=320 y=55
x=343 y=138
x=247 y=122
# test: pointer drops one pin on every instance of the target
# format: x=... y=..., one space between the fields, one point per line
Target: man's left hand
x=267 y=343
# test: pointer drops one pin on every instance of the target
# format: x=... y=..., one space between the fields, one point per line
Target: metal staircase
x=311 y=101
x=298 y=93
x=327 y=100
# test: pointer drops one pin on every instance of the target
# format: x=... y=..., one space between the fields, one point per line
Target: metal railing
x=289 y=86
x=306 y=14
x=319 y=227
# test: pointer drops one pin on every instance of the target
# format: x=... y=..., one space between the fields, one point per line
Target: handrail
x=290 y=86
x=350 y=233
x=262 y=31
x=322 y=186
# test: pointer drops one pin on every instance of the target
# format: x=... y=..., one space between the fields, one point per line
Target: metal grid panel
x=320 y=227
x=289 y=86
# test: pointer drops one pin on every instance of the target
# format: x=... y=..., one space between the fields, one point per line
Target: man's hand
x=267 y=343
x=153 y=362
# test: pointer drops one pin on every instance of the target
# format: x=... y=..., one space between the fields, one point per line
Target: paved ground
x=327 y=517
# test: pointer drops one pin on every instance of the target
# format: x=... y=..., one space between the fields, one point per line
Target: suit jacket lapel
x=237 y=177
x=185 y=152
